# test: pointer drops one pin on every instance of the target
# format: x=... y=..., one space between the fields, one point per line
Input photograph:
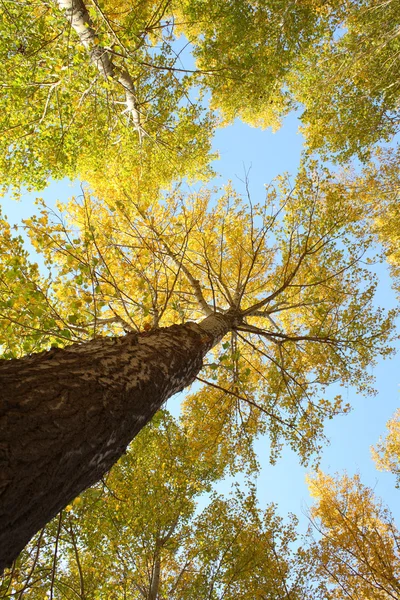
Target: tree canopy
x=291 y=267
x=111 y=86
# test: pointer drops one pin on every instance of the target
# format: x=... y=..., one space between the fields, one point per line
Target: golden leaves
x=357 y=551
x=386 y=454
x=289 y=266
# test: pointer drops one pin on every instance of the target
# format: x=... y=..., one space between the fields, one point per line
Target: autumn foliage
x=126 y=96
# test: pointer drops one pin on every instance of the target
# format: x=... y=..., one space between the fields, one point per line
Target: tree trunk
x=79 y=18
x=67 y=415
x=155 y=577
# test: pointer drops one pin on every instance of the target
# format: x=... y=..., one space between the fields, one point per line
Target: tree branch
x=251 y=403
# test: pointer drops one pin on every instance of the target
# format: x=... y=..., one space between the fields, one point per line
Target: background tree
x=85 y=88
x=356 y=554
x=387 y=452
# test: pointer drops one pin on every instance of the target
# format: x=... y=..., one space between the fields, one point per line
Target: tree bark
x=155 y=577
x=78 y=16
x=67 y=415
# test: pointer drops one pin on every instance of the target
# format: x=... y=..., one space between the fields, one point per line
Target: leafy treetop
x=356 y=554
x=106 y=88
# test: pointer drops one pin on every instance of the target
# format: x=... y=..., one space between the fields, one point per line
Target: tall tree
x=357 y=553
x=285 y=302
x=98 y=90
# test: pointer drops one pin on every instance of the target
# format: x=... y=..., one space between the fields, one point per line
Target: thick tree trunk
x=67 y=415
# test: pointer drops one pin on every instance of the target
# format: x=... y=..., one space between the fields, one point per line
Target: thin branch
x=54 y=566
x=31 y=570
x=251 y=403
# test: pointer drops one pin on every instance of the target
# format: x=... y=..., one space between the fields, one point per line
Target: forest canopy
x=134 y=86
x=275 y=294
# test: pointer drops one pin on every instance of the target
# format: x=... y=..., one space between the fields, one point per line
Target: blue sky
x=264 y=155
x=351 y=436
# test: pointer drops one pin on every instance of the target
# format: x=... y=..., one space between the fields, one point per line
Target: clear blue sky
x=266 y=155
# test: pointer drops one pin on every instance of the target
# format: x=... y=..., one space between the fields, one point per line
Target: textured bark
x=78 y=16
x=67 y=415
x=155 y=577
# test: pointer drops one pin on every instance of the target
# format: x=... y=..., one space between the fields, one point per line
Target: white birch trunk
x=82 y=24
